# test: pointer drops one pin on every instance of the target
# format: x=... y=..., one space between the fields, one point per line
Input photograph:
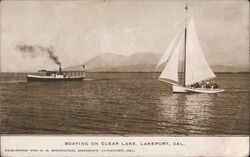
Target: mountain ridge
x=137 y=62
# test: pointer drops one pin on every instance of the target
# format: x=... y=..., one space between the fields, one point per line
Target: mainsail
x=170 y=72
x=197 y=68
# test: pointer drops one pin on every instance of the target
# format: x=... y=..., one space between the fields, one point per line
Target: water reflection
x=189 y=112
x=198 y=111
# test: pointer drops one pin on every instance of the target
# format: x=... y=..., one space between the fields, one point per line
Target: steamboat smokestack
x=83 y=67
x=60 y=70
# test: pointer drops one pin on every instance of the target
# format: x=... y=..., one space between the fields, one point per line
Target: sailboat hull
x=204 y=90
x=180 y=89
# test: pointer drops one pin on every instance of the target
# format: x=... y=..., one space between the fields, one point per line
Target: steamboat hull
x=47 y=79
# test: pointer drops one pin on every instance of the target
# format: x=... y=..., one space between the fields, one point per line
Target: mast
x=185 y=47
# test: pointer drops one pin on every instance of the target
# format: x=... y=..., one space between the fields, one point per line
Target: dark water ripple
x=122 y=103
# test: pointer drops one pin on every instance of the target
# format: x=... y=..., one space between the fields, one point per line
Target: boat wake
x=12 y=81
x=238 y=90
x=86 y=79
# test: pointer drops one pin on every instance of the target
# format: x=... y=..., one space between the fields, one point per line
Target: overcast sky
x=81 y=30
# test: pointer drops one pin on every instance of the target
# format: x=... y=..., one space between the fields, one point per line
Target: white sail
x=170 y=71
x=197 y=68
x=170 y=48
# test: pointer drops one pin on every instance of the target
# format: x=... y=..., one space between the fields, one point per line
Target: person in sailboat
x=203 y=84
x=214 y=86
x=195 y=85
x=207 y=85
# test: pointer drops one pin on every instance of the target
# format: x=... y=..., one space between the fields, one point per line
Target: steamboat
x=44 y=75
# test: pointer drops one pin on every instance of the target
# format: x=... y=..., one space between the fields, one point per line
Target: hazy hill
x=222 y=68
x=137 y=62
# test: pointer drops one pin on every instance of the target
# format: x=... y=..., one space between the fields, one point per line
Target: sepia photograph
x=124 y=68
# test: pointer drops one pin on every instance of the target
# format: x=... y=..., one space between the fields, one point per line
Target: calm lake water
x=122 y=103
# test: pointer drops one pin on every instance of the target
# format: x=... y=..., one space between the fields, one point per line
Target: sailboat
x=185 y=52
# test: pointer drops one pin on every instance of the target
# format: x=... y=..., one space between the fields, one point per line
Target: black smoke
x=35 y=51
